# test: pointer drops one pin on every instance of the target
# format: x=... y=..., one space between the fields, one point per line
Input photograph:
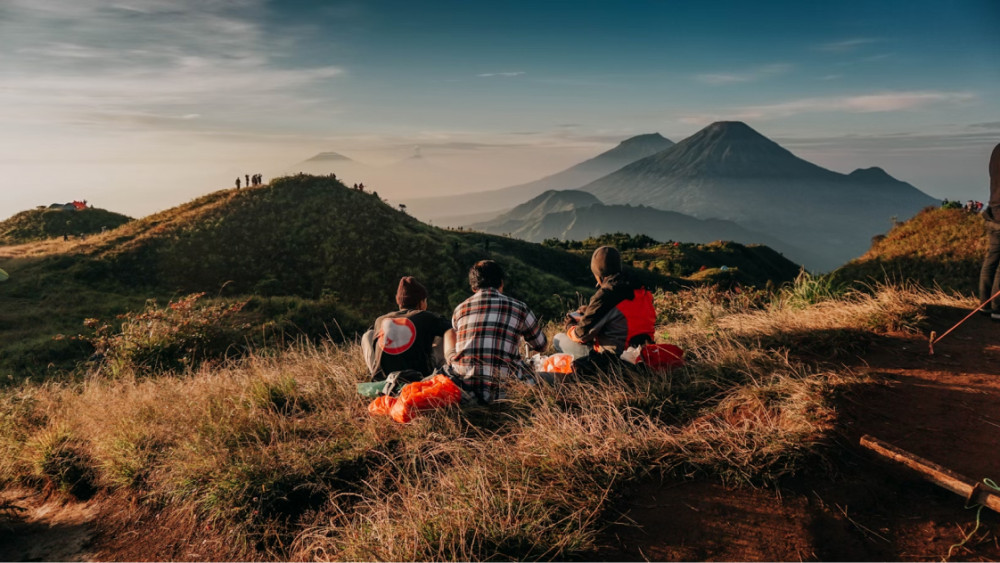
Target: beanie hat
x=605 y=262
x=410 y=293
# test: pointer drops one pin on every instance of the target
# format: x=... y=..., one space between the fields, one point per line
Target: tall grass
x=275 y=456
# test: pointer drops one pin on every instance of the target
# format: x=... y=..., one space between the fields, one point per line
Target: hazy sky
x=138 y=105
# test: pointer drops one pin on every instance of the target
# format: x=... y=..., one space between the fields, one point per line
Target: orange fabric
x=662 y=356
x=436 y=392
x=402 y=412
x=439 y=391
x=558 y=363
x=640 y=314
x=381 y=406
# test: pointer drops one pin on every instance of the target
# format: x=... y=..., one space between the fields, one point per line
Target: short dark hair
x=484 y=274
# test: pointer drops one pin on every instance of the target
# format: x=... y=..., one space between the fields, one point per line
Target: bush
x=181 y=335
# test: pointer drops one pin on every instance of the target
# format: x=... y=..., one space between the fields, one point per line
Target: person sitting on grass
x=620 y=315
x=484 y=348
x=411 y=338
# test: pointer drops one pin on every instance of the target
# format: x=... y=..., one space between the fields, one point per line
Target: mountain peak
x=328 y=157
x=733 y=130
x=645 y=139
x=731 y=149
x=873 y=174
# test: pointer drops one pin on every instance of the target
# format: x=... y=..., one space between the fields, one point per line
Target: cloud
x=865 y=103
x=988 y=125
x=500 y=74
x=749 y=75
x=139 y=62
x=847 y=45
x=897 y=142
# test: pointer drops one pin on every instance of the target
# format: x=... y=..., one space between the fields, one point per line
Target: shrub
x=181 y=335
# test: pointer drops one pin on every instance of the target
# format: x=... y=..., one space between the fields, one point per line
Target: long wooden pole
x=973 y=491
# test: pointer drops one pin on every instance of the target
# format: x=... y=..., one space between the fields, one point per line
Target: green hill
x=719 y=262
x=307 y=251
x=943 y=247
x=43 y=223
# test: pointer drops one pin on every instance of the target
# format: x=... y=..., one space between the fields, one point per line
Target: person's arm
x=449 y=345
x=595 y=315
x=533 y=334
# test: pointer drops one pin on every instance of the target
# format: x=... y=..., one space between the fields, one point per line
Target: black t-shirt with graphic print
x=404 y=340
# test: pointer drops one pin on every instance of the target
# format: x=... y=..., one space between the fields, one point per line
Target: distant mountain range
x=730 y=171
x=444 y=209
x=577 y=215
x=756 y=189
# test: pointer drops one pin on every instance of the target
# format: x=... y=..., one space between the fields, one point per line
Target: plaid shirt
x=488 y=328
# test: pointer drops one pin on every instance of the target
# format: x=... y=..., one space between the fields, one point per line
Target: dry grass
x=279 y=453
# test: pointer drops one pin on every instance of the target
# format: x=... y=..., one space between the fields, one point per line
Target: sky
x=140 y=105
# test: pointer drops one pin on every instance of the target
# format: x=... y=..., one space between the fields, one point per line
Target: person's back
x=619 y=315
x=488 y=329
x=405 y=339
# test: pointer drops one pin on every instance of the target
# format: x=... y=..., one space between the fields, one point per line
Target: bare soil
x=40 y=527
x=854 y=505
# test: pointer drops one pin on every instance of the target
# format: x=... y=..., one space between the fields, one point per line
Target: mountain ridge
x=730 y=171
x=625 y=152
x=571 y=215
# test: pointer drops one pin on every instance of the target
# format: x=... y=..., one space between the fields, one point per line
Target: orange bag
x=436 y=392
x=558 y=363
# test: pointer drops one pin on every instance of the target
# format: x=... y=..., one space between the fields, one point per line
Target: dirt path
x=45 y=529
x=945 y=408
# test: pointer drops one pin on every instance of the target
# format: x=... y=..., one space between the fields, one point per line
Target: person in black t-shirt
x=410 y=338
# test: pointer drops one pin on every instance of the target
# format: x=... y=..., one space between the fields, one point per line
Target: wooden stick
x=973 y=491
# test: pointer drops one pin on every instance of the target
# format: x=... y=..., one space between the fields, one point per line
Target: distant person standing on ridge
x=237 y=182
x=989 y=276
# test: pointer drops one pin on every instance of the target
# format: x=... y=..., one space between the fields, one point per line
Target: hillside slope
x=43 y=223
x=937 y=247
x=311 y=236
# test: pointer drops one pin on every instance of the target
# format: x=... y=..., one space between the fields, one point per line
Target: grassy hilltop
x=43 y=223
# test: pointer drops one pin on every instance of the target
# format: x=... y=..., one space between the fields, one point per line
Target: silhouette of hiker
x=237 y=182
x=989 y=276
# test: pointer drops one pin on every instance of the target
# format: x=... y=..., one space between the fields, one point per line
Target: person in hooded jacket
x=989 y=276
x=620 y=315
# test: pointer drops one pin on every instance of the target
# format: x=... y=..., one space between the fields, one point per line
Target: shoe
x=995 y=316
x=985 y=312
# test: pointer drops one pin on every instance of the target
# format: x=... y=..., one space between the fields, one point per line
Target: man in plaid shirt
x=488 y=328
